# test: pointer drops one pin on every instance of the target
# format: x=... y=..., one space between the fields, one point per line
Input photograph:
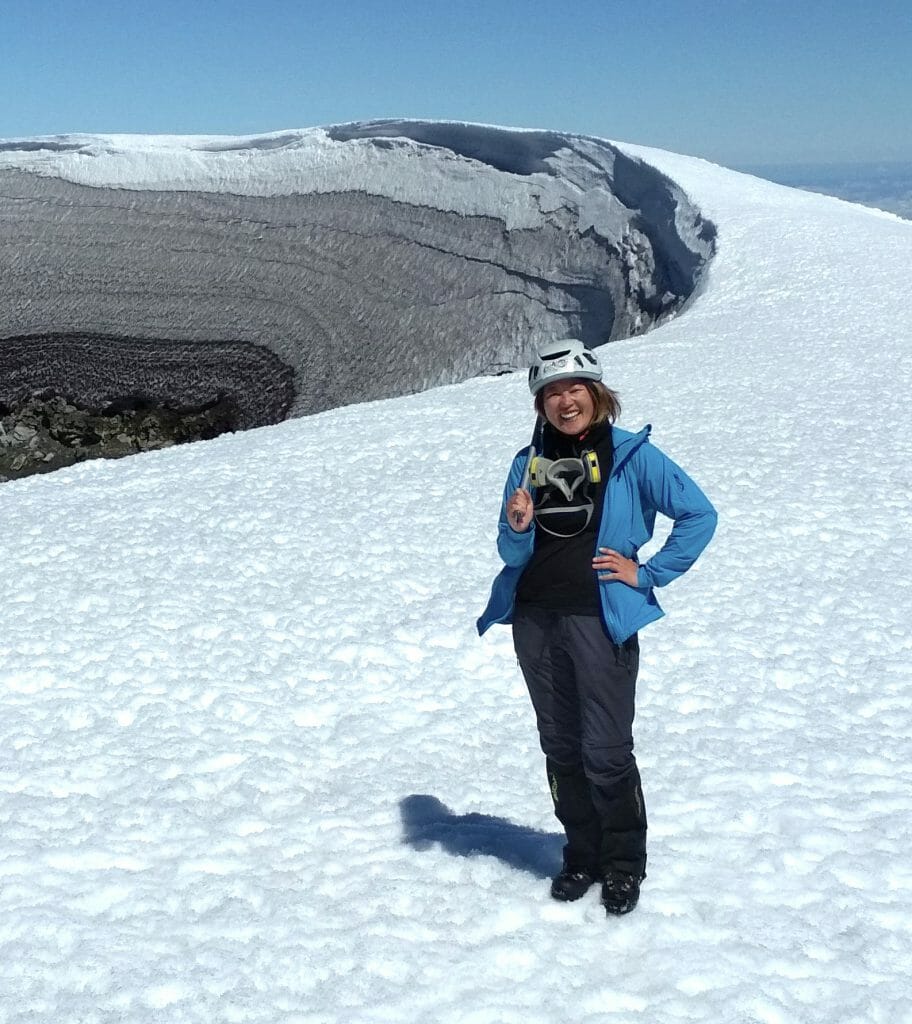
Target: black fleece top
x=560 y=575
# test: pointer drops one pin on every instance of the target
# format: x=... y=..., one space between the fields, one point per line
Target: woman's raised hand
x=520 y=509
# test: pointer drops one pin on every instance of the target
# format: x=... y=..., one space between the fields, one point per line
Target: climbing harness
x=567 y=486
x=565 y=474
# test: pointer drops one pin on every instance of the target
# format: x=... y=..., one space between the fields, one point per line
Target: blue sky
x=736 y=82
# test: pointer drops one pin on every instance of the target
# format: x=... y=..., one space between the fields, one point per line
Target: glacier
x=299 y=271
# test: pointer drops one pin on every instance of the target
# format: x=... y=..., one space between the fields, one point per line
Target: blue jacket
x=643 y=481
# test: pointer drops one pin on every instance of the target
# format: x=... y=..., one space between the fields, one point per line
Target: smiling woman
x=577 y=507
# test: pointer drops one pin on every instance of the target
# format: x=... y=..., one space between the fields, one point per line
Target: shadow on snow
x=425 y=821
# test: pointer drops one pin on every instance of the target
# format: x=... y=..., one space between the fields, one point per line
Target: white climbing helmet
x=561 y=360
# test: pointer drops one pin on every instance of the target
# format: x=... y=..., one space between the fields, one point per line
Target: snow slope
x=257 y=766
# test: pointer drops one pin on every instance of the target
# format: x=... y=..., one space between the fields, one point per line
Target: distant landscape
x=886 y=185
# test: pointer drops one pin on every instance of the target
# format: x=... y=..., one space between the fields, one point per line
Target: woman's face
x=568 y=406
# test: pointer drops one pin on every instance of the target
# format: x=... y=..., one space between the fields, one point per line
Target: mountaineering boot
x=620 y=893
x=570 y=885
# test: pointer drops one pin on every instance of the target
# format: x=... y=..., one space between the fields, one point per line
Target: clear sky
x=766 y=81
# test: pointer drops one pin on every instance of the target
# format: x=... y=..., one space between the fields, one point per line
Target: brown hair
x=607 y=402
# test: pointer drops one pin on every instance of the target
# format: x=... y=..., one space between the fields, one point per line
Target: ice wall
x=304 y=270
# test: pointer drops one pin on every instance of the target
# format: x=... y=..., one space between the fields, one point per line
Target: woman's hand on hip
x=612 y=566
x=520 y=509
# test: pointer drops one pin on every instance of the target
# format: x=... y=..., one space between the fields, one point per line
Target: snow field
x=255 y=764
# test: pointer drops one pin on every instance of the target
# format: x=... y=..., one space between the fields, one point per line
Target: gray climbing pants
x=583 y=689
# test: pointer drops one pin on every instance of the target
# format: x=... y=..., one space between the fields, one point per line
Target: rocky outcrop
x=46 y=432
x=297 y=272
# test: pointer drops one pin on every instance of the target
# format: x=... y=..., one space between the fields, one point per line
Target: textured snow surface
x=256 y=766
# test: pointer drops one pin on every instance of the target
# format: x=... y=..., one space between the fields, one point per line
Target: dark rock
x=46 y=432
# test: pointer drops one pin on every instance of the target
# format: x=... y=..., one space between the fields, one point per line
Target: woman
x=577 y=506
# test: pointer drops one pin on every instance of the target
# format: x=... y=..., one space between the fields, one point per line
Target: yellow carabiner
x=534 y=466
